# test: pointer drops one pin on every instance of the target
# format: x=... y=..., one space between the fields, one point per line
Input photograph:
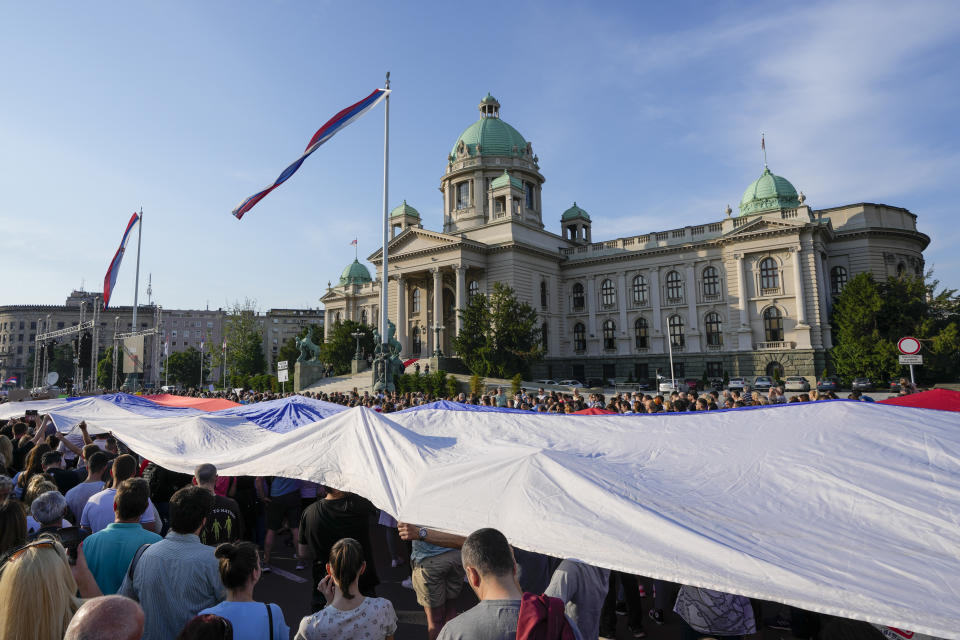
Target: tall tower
x=492 y=176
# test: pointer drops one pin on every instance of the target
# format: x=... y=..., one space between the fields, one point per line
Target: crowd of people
x=97 y=542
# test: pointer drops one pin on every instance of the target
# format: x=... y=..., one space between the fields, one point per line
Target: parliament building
x=749 y=294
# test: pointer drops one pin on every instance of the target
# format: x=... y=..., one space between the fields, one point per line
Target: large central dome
x=490 y=136
x=769 y=192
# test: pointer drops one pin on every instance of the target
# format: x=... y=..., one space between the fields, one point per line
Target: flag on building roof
x=324 y=133
x=113 y=270
x=354 y=243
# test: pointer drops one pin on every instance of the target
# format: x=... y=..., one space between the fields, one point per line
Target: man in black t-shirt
x=224 y=523
x=323 y=523
x=52 y=463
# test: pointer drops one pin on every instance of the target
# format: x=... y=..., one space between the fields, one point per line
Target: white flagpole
x=136 y=284
x=386 y=220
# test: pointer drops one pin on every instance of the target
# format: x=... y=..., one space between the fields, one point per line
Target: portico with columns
x=741 y=295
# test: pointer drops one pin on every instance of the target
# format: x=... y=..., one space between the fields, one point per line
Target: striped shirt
x=173 y=580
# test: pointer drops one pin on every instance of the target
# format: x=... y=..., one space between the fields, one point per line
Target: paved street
x=291 y=590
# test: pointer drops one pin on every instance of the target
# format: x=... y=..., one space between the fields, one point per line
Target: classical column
x=692 y=298
x=402 y=314
x=741 y=291
x=592 y=306
x=622 y=304
x=655 y=299
x=437 y=307
x=798 y=285
x=820 y=268
x=447 y=209
x=461 y=272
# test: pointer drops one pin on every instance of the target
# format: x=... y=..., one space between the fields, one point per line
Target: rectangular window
x=33 y=325
x=60 y=324
x=641 y=370
x=20 y=349
x=21 y=322
x=714 y=369
x=210 y=323
x=528 y=194
x=463 y=195
x=577 y=371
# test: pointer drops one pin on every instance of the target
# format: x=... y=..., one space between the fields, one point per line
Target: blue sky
x=647 y=114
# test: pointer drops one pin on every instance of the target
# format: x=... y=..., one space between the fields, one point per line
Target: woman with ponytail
x=348 y=614
x=240 y=572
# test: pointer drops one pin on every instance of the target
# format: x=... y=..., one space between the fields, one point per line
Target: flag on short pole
x=11 y=380
x=201 y=344
x=354 y=243
x=333 y=126
x=110 y=280
x=166 y=347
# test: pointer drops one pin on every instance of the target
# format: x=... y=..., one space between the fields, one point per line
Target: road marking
x=286 y=574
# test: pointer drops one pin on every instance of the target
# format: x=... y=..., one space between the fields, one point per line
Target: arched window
x=641 y=334
x=713 y=327
x=769 y=275
x=639 y=291
x=363 y=316
x=773 y=325
x=543 y=336
x=901 y=270
x=416 y=341
x=676 y=331
x=543 y=294
x=579 y=337
x=838 y=280
x=674 y=288
x=415 y=306
x=609 y=335
x=711 y=283
x=578 y=297
x=608 y=294
x=473 y=289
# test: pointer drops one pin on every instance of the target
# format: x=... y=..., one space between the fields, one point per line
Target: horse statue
x=309 y=352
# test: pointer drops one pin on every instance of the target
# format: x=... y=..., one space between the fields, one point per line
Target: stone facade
x=182 y=328
x=744 y=295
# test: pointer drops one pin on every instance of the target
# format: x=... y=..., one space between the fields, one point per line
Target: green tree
x=500 y=336
x=342 y=345
x=244 y=337
x=183 y=368
x=869 y=317
x=105 y=369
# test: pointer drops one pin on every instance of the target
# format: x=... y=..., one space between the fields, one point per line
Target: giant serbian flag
x=324 y=133
x=110 y=279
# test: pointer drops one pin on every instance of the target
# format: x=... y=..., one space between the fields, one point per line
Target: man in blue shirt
x=283 y=503
x=110 y=550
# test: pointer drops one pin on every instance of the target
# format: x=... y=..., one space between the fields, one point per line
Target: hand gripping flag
x=324 y=133
x=110 y=279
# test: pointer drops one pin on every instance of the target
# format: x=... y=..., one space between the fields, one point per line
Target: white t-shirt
x=98 y=512
x=374 y=619
x=33 y=525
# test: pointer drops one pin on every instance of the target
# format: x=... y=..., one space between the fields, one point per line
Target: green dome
x=573 y=213
x=404 y=210
x=506 y=180
x=767 y=193
x=495 y=137
x=355 y=273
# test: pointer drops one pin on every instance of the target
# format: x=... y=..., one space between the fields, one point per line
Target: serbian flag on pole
x=110 y=279
x=324 y=133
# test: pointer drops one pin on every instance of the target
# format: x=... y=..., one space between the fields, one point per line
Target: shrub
x=476 y=385
x=516 y=382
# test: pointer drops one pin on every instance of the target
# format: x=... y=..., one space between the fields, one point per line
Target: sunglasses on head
x=43 y=541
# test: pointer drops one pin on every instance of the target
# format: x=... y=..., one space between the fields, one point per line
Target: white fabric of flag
x=841 y=507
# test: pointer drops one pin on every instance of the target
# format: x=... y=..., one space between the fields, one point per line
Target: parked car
x=571 y=383
x=715 y=383
x=828 y=384
x=668 y=385
x=545 y=382
x=895 y=385
x=861 y=384
x=796 y=383
x=693 y=384
x=644 y=385
x=763 y=383
x=737 y=384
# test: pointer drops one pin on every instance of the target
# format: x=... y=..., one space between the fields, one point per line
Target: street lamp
x=437 y=353
x=357 y=335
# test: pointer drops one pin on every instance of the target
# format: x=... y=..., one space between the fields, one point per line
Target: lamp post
x=357 y=355
x=437 y=352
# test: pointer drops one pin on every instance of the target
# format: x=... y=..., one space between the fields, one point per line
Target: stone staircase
x=361 y=381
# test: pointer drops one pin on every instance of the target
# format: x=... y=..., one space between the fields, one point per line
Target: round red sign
x=908 y=346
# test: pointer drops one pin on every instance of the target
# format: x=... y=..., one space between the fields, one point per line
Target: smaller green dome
x=355 y=273
x=573 y=213
x=488 y=99
x=769 y=192
x=505 y=180
x=404 y=210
